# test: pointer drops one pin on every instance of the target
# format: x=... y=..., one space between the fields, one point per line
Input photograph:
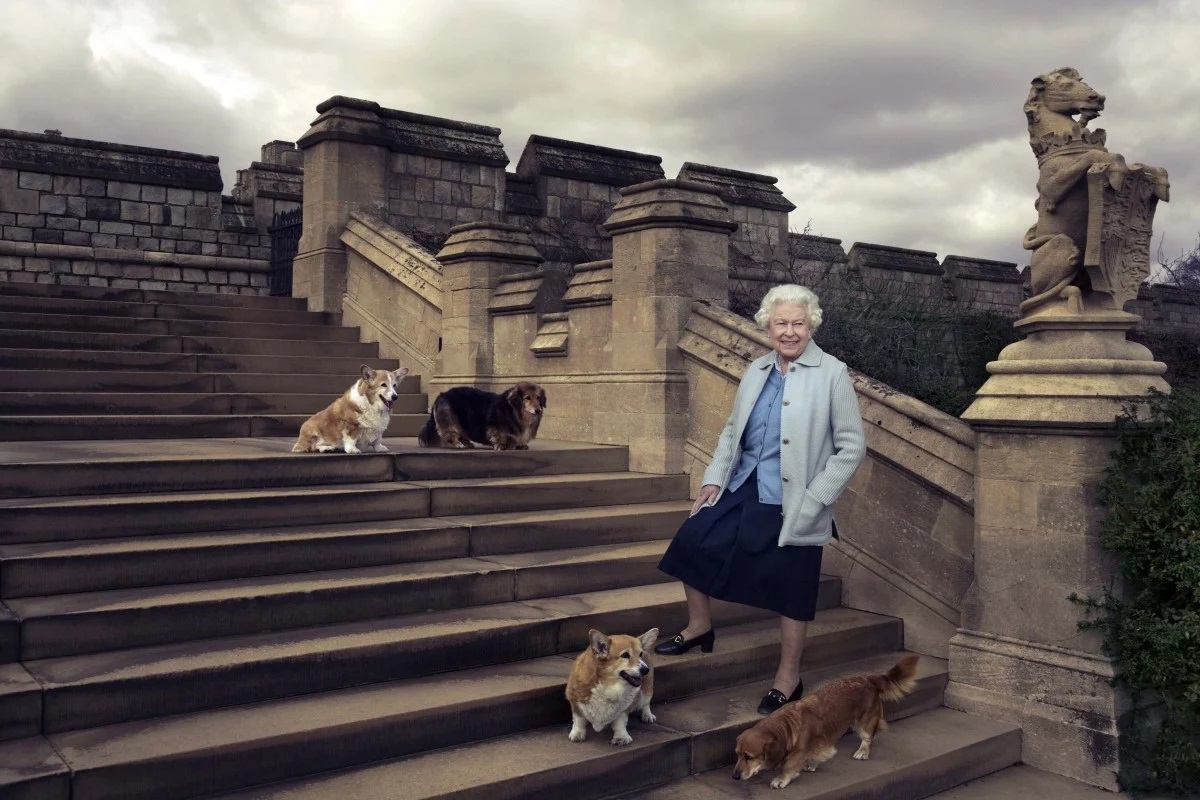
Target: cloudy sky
x=891 y=122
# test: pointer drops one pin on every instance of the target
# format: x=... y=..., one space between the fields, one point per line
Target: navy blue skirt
x=729 y=551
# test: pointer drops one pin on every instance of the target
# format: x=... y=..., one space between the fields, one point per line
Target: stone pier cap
x=670 y=203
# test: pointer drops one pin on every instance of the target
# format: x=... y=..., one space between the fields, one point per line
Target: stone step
x=121 y=403
x=917 y=757
x=91 y=622
x=31 y=770
x=922 y=754
x=47 y=519
x=188 y=311
x=99 y=380
x=149 y=343
x=544 y=457
x=227 y=749
x=96 y=689
x=111 y=294
x=83 y=517
x=496 y=495
x=10 y=635
x=57 y=469
x=1024 y=781
x=25 y=359
x=126 y=563
x=20 y=704
x=150 y=326
x=714 y=719
x=51 y=427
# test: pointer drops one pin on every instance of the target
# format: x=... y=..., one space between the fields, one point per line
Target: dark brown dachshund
x=464 y=414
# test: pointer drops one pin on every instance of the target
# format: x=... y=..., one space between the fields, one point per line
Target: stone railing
x=906 y=519
x=393 y=293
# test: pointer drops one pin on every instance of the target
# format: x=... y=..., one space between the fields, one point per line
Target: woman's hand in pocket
x=708 y=494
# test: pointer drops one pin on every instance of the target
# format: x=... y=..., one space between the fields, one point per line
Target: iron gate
x=285 y=239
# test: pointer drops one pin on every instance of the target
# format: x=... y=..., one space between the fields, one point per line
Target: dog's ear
x=773 y=750
x=400 y=373
x=542 y=397
x=599 y=643
x=367 y=373
x=513 y=396
x=649 y=638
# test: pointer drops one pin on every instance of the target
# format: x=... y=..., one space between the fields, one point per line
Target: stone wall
x=79 y=212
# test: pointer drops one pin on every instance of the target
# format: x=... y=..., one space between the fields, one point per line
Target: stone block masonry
x=80 y=212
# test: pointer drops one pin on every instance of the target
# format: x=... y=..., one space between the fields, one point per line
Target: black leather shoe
x=677 y=645
x=774 y=700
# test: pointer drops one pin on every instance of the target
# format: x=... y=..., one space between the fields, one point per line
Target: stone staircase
x=98 y=363
x=217 y=617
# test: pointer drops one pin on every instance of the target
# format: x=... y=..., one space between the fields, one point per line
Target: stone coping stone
x=550 y=157
x=739 y=188
x=85 y=158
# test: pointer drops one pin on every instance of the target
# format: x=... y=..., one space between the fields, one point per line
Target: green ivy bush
x=1152 y=624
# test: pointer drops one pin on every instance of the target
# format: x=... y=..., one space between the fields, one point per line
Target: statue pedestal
x=1045 y=429
x=1071 y=369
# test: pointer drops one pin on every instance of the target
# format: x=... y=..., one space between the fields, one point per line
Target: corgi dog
x=355 y=421
x=609 y=681
x=802 y=735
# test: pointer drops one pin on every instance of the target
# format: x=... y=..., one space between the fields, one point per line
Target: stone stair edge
x=535 y=684
x=408 y=485
x=164 y=296
x=542 y=764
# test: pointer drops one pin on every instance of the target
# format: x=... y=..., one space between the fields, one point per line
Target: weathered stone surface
x=545 y=157
x=59 y=155
x=739 y=188
x=350 y=119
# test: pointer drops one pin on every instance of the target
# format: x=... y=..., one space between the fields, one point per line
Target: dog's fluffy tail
x=428 y=435
x=899 y=680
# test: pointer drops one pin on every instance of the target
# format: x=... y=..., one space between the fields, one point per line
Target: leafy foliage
x=1152 y=625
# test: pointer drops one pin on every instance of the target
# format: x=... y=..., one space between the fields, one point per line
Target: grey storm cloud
x=898 y=123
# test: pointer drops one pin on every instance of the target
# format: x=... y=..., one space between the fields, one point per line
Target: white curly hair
x=792 y=294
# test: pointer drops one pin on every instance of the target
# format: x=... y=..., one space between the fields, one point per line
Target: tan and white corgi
x=357 y=420
x=608 y=682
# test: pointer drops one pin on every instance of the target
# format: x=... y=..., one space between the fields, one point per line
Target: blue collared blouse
x=760 y=442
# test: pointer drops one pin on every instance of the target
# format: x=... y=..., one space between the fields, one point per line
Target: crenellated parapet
x=86 y=213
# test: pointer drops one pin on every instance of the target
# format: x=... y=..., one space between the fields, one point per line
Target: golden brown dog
x=608 y=682
x=802 y=735
x=356 y=420
x=462 y=415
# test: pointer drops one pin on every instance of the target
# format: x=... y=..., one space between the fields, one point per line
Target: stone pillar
x=474 y=258
x=1044 y=424
x=345 y=169
x=670 y=248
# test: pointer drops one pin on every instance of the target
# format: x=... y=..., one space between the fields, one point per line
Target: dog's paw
x=381 y=448
x=810 y=767
x=622 y=740
x=648 y=716
x=780 y=783
x=324 y=448
x=577 y=734
x=861 y=756
x=353 y=451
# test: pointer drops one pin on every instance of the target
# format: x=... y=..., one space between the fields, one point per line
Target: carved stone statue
x=1091 y=242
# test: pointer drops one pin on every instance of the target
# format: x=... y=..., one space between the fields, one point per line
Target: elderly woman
x=755 y=533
